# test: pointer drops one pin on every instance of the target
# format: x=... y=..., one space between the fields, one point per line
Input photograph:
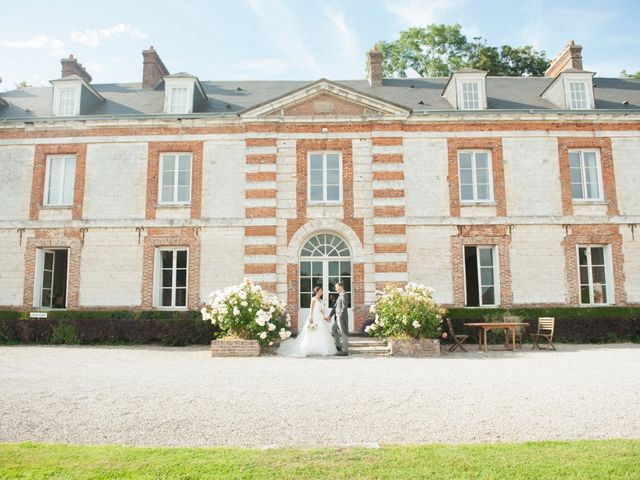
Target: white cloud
x=39 y=41
x=349 y=57
x=94 y=38
x=413 y=13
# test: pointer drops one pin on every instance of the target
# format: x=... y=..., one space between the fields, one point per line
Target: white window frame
x=324 y=200
x=45 y=200
x=496 y=276
x=175 y=200
x=39 y=277
x=466 y=103
x=172 y=106
x=581 y=153
x=58 y=88
x=474 y=180
x=585 y=94
x=157 y=279
x=70 y=109
x=608 y=271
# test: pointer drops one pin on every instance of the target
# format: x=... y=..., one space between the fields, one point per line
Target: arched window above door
x=325 y=245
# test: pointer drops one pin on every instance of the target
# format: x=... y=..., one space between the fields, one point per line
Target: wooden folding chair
x=546 y=326
x=458 y=339
x=520 y=331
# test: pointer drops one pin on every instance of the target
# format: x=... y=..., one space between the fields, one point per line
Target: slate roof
x=232 y=97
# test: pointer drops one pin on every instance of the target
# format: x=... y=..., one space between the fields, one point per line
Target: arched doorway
x=325 y=259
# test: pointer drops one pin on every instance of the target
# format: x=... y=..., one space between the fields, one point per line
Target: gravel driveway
x=181 y=396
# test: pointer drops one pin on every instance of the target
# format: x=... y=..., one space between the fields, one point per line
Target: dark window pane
x=48 y=260
x=334 y=269
x=345 y=268
x=181 y=278
x=305 y=284
x=167 y=258
x=598 y=275
x=576 y=191
x=166 y=297
x=181 y=297
x=597 y=256
x=471 y=276
x=317 y=268
x=584 y=294
x=182 y=259
x=46 y=298
x=46 y=279
x=317 y=282
x=486 y=276
x=584 y=275
x=582 y=256
x=305 y=300
x=488 y=296
x=347 y=283
x=305 y=268
x=332 y=299
x=167 y=278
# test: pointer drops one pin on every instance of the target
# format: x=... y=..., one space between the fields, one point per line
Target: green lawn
x=611 y=459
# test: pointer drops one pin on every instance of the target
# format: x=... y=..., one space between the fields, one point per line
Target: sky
x=289 y=39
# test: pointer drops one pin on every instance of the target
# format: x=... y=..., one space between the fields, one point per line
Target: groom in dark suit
x=341 y=324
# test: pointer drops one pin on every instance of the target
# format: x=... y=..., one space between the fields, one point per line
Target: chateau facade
x=494 y=191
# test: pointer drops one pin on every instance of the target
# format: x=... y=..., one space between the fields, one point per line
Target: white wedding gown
x=311 y=342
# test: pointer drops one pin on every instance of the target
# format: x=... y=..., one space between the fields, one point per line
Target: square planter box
x=235 y=348
x=422 y=347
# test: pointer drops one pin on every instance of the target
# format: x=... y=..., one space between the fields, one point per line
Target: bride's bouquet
x=311 y=326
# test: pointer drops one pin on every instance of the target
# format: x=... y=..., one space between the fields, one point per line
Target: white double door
x=324 y=273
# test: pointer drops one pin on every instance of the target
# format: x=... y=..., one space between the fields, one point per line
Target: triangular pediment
x=326 y=99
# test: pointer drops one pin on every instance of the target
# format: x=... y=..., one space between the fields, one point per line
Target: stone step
x=369 y=351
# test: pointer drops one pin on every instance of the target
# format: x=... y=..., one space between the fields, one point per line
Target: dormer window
x=179 y=100
x=183 y=93
x=578 y=96
x=67 y=106
x=470 y=96
x=467 y=90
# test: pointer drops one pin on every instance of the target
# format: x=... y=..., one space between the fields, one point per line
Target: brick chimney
x=71 y=66
x=152 y=68
x=570 y=57
x=374 y=67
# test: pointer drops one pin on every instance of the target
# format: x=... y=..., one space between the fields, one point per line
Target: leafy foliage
x=245 y=311
x=408 y=312
x=439 y=50
x=625 y=74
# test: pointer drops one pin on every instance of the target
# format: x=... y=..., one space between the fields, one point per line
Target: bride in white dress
x=315 y=337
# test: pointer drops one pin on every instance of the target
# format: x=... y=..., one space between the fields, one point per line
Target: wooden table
x=506 y=326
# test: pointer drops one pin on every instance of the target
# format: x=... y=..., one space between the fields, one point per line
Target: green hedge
x=106 y=327
x=573 y=325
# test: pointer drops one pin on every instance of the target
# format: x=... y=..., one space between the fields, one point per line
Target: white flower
x=367 y=328
x=271 y=326
x=416 y=324
x=236 y=312
x=244 y=303
x=270 y=343
x=263 y=335
x=283 y=334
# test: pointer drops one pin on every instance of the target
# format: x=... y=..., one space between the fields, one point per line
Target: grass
x=607 y=459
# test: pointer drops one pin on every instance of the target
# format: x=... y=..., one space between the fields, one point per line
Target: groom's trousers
x=339 y=330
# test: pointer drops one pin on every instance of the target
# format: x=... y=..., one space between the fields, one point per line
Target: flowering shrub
x=408 y=312
x=246 y=311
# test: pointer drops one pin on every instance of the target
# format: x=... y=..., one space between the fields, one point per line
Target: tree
x=23 y=84
x=636 y=75
x=439 y=50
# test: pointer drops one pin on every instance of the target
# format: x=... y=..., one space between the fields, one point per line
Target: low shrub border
x=573 y=325
x=106 y=327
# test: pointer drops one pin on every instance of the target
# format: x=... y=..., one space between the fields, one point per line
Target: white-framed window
x=578 y=96
x=325 y=177
x=51 y=274
x=179 y=102
x=481 y=275
x=175 y=178
x=594 y=272
x=471 y=96
x=59 y=180
x=171 y=277
x=586 y=174
x=474 y=172
x=67 y=102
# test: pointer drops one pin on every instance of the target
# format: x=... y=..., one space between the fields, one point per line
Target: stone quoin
x=495 y=191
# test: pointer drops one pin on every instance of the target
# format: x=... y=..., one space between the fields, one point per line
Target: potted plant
x=248 y=319
x=409 y=319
